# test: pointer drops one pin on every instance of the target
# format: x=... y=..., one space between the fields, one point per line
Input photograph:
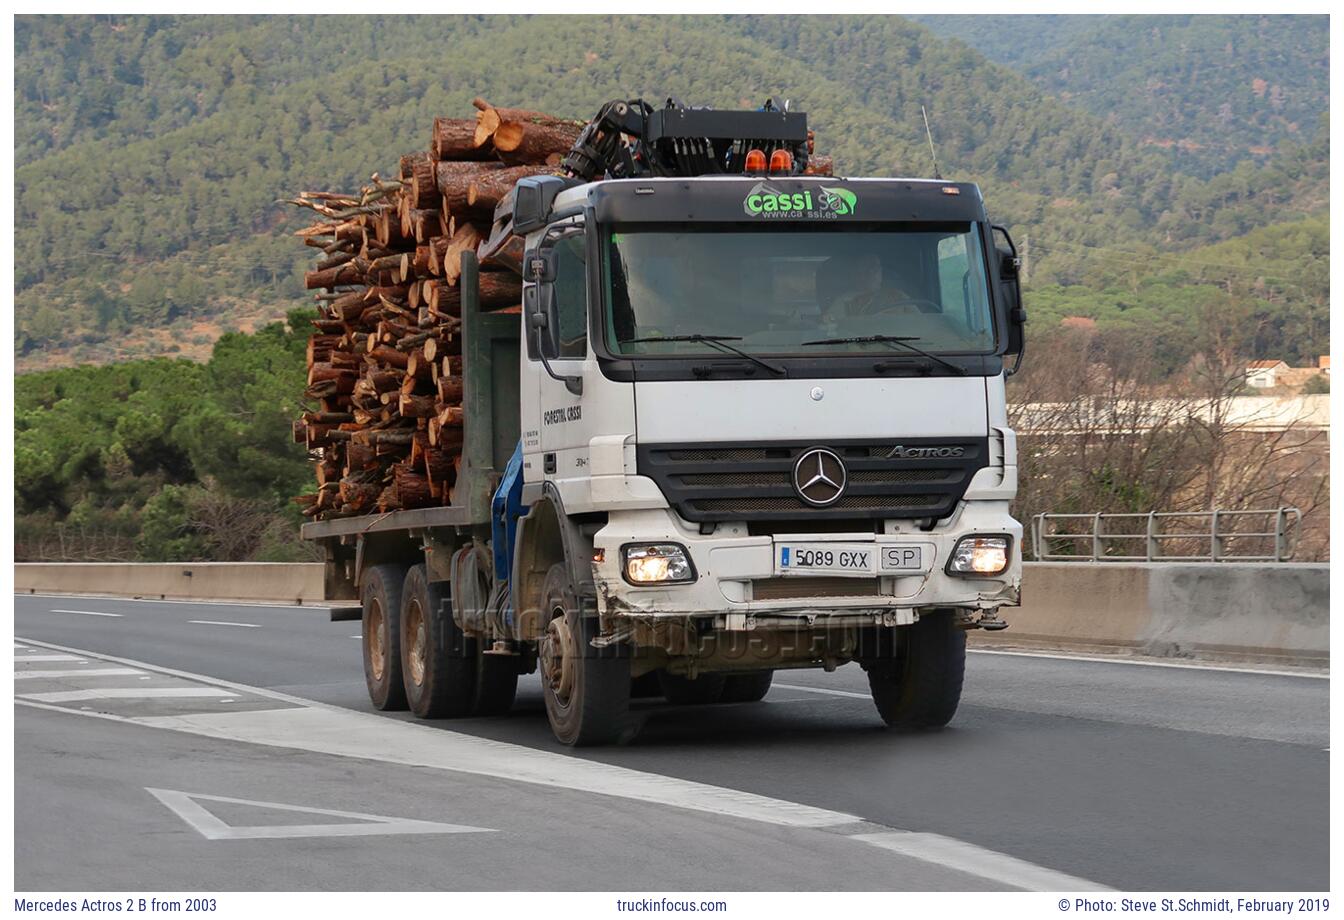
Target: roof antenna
x=928 y=132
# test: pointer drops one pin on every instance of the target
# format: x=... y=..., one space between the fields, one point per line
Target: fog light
x=980 y=556
x=657 y=563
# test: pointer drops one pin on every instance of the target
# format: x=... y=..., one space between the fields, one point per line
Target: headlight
x=656 y=563
x=980 y=556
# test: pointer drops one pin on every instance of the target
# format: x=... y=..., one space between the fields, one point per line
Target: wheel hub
x=376 y=639
x=558 y=656
x=415 y=627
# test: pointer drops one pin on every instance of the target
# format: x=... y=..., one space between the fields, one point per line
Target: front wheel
x=920 y=687
x=587 y=690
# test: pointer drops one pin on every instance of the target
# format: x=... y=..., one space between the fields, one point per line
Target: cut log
x=422 y=192
x=412 y=489
x=488 y=189
x=450 y=391
x=507 y=256
x=519 y=142
x=416 y=406
x=454 y=139
x=499 y=289
x=466 y=239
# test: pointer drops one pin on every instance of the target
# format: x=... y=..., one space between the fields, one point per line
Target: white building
x=1264 y=374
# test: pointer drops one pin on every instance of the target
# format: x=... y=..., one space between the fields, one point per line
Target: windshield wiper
x=901 y=340
x=720 y=341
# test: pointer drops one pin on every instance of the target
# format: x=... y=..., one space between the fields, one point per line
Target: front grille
x=778 y=589
x=725 y=482
x=795 y=506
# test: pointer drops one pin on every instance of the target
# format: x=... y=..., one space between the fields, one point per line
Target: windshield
x=779 y=291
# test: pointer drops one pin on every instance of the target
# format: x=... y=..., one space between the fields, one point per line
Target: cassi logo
x=839 y=200
x=766 y=201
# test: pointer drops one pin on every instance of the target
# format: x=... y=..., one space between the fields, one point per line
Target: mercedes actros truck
x=748 y=420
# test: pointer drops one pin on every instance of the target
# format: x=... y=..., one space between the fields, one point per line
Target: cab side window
x=571 y=297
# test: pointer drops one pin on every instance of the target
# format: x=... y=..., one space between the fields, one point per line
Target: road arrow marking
x=186 y=807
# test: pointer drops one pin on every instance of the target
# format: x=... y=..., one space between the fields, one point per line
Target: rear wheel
x=438 y=669
x=683 y=691
x=587 y=690
x=746 y=688
x=380 y=596
x=920 y=687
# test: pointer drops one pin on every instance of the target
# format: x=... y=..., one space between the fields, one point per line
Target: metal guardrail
x=1167 y=536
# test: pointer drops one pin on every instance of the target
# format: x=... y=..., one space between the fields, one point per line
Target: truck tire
x=380 y=596
x=746 y=688
x=496 y=682
x=683 y=691
x=587 y=690
x=438 y=669
x=921 y=686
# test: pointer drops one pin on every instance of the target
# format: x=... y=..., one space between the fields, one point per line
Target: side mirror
x=533 y=200
x=1010 y=289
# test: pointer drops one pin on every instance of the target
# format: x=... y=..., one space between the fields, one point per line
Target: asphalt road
x=1128 y=776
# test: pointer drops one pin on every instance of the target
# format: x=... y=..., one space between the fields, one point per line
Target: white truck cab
x=779 y=405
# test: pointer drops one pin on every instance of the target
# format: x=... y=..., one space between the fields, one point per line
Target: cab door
x=555 y=446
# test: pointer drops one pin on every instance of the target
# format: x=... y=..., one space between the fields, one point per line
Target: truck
x=746 y=420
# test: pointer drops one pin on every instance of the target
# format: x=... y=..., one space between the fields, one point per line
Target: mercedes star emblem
x=819 y=477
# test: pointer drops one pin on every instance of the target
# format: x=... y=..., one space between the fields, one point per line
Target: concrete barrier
x=276 y=582
x=1252 y=611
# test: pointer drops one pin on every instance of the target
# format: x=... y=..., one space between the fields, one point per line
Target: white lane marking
x=86 y=672
x=324 y=728
x=356 y=637
x=1139 y=662
x=346 y=733
x=224 y=623
x=124 y=693
x=187 y=807
x=826 y=690
x=952 y=853
x=89 y=613
x=25 y=658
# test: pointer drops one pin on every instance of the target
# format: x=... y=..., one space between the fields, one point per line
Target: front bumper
x=738 y=586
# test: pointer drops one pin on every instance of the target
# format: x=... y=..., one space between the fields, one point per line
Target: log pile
x=385 y=381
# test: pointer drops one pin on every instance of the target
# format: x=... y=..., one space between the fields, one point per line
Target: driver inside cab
x=850 y=285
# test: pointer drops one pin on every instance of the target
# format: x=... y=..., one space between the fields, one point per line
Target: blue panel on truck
x=505 y=509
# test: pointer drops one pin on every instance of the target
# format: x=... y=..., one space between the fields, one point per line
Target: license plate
x=850 y=558
x=902 y=558
x=833 y=558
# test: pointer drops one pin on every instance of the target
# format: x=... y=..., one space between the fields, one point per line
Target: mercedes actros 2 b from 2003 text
x=748 y=420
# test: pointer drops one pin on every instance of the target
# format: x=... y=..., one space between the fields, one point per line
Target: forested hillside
x=1215 y=90
x=153 y=151
x=1168 y=178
